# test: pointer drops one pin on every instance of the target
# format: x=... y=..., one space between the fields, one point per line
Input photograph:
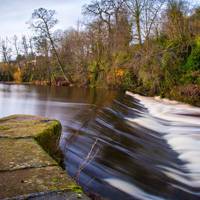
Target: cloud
x=15 y=14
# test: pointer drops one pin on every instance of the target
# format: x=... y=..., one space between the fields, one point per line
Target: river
x=120 y=146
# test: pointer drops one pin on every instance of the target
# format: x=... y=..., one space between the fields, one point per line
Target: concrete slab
x=30 y=181
x=23 y=126
x=22 y=153
x=27 y=171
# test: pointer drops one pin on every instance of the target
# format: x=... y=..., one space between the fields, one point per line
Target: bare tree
x=43 y=22
x=31 y=46
x=135 y=7
x=143 y=15
x=152 y=11
x=6 y=55
x=175 y=25
x=43 y=48
x=25 y=46
x=16 y=46
x=101 y=10
x=5 y=51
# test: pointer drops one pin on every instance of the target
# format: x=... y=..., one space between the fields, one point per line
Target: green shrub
x=191 y=77
x=127 y=80
x=193 y=61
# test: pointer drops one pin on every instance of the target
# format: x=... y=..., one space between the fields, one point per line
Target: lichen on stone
x=28 y=145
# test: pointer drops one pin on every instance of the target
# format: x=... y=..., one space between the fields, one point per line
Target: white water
x=131 y=189
x=180 y=125
x=132 y=162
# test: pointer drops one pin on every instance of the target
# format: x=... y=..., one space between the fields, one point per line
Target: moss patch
x=3 y=128
x=46 y=132
x=26 y=168
x=28 y=181
x=19 y=126
x=21 y=154
x=49 y=140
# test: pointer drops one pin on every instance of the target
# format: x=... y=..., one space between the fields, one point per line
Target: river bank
x=27 y=171
x=189 y=94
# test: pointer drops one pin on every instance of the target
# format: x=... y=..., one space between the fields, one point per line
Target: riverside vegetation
x=150 y=47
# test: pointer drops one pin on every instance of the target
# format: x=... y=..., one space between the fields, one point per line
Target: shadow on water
x=121 y=146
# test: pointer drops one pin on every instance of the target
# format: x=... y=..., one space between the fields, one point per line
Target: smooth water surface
x=121 y=146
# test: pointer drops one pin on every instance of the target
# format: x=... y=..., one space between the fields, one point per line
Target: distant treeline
x=147 y=46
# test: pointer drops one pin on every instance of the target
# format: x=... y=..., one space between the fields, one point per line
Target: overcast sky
x=15 y=13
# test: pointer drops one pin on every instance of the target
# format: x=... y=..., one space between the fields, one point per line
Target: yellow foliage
x=119 y=72
x=18 y=76
x=4 y=67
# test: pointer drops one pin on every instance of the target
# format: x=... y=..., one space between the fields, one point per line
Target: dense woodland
x=148 y=46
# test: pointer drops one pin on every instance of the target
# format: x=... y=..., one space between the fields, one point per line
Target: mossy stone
x=28 y=145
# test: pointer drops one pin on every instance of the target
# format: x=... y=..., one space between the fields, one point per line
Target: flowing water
x=121 y=146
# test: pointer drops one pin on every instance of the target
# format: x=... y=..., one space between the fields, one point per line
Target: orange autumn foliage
x=18 y=76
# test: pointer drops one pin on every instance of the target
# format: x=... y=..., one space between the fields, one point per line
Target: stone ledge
x=21 y=154
x=26 y=170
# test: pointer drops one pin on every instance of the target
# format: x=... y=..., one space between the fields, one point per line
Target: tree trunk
x=137 y=20
x=67 y=76
x=138 y=28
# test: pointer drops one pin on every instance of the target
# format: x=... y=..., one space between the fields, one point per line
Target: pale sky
x=15 y=13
